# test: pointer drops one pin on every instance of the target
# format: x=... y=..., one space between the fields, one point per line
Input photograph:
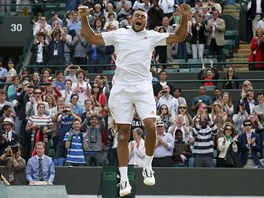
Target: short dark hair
x=67 y=80
x=179 y=89
x=59 y=72
x=247 y=120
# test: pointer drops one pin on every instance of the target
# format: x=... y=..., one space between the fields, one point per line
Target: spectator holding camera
x=70 y=72
x=65 y=118
x=8 y=135
x=203 y=133
x=15 y=165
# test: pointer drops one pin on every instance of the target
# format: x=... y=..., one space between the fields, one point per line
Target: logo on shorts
x=152 y=112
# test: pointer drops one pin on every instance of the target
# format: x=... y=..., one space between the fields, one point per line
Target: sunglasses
x=216 y=105
x=182 y=107
x=230 y=129
x=37 y=92
x=95 y=87
x=164 y=108
x=247 y=125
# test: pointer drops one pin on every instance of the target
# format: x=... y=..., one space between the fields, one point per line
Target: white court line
x=164 y=196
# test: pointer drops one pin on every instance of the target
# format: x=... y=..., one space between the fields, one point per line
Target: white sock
x=123 y=173
x=148 y=162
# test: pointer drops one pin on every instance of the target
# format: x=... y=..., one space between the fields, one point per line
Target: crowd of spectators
x=65 y=118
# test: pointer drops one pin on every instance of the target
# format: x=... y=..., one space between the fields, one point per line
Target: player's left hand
x=183 y=9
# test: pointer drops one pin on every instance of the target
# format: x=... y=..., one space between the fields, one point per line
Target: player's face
x=139 y=20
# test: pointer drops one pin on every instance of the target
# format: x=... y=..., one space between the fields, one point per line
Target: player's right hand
x=84 y=11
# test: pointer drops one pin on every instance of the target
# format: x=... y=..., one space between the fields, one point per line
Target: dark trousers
x=162 y=161
x=214 y=49
x=203 y=161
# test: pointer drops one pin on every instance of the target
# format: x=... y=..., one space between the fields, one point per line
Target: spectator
x=67 y=46
x=36 y=79
x=56 y=48
x=15 y=165
x=8 y=135
x=202 y=100
x=163 y=148
x=249 y=101
x=79 y=49
x=103 y=85
x=67 y=92
x=203 y=135
x=50 y=89
x=81 y=87
x=112 y=140
x=70 y=72
x=74 y=26
x=187 y=119
x=214 y=6
x=229 y=82
x=167 y=7
x=42 y=26
x=123 y=8
x=3 y=71
x=165 y=116
x=95 y=153
x=111 y=22
x=161 y=51
x=3 y=100
x=166 y=98
x=40 y=169
x=14 y=88
x=162 y=81
x=110 y=9
x=6 y=112
x=46 y=77
x=55 y=17
x=259 y=109
x=198 y=39
x=246 y=86
x=137 y=149
x=76 y=143
x=99 y=97
x=208 y=74
x=217 y=94
x=227 y=104
x=218 y=116
x=59 y=83
x=39 y=125
x=64 y=117
x=136 y=123
x=155 y=15
x=249 y=147
x=145 y=4
x=261 y=23
x=216 y=29
x=76 y=109
x=257 y=51
x=168 y=28
x=177 y=95
x=96 y=57
x=182 y=151
x=11 y=72
x=228 y=140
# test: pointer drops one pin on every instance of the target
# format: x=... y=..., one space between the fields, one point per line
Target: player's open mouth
x=138 y=23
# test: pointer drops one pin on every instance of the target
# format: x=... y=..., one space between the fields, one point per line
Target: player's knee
x=122 y=136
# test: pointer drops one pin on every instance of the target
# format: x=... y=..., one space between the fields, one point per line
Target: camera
x=14 y=149
x=73 y=67
x=163 y=92
x=8 y=151
x=65 y=111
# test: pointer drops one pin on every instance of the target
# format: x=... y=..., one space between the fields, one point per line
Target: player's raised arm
x=179 y=35
x=88 y=33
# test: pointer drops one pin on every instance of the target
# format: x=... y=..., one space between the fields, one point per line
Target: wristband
x=69 y=138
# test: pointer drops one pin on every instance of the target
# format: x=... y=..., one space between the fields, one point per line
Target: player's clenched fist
x=84 y=10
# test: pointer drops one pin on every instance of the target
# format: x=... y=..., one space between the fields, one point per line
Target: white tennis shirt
x=134 y=52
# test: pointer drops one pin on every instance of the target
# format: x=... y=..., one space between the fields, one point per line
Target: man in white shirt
x=132 y=87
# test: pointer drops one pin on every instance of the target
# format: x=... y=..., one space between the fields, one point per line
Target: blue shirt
x=77 y=110
x=75 y=153
x=32 y=171
x=59 y=84
x=65 y=125
x=3 y=73
x=206 y=99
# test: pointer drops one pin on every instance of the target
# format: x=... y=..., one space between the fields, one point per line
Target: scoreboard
x=15 y=31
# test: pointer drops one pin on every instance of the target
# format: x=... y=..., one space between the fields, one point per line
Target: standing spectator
x=167 y=7
x=208 y=74
x=177 y=95
x=229 y=82
x=8 y=135
x=165 y=116
x=123 y=8
x=249 y=147
x=203 y=135
x=15 y=165
x=216 y=37
x=163 y=148
x=198 y=39
x=3 y=71
x=228 y=140
x=79 y=52
x=67 y=46
x=95 y=153
x=259 y=109
x=40 y=169
x=161 y=51
x=255 y=9
x=145 y=4
x=76 y=143
x=14 y=88
x=155 y=15
x=42 y=26
x=56 y=49
x=227 y=104
x=112 y=136
x=74 y=26
x=11 y=72
x=257 y=52
x=67 y=92
x=168 y=28
x=136 y=149
x=182 y=151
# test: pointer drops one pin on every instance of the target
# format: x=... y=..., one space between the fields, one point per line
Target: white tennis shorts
x=125 y=98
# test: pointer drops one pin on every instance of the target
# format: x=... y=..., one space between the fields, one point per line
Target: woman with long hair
x=99 y=97
x=218 y=116
x=247 y=85
x=227 y=104
x=229 y=78
x=182 y=109
x=165 y=116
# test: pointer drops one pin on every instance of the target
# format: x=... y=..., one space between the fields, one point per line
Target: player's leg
x=122 y=153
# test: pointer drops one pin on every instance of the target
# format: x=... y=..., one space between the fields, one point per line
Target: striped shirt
x=75 y=153
x=203 y=144
x=41 y=121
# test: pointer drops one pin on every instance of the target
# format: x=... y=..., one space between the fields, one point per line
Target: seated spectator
x=6 y=112
x=165 y=116
x=259 y=109
x=3 y=71
x=40 y=169
x=203 y=134
x=229 y=139
x=182 y=151
x=99 y=96
x=257 y=52
x=249 y=101
x=15 y=165
x=123 y=8
x=76 y=109
x=97 y=10
x=166 y=98
x=230 y=76
x=95 y=153
x=8 y=135
x=110 y=10
x=162 y=81
x=59 y=83
x=177 y=95
x=239 y=118
x=76 y=142
x=137 y=149
x=50 y=89
x=227 y=104
x=249 y=147
x=187 y=119
x=246 y=86
x=36 y=79
x=111 y=22
x=163 y=148
x=217 y=94
x=208 y=74
x=46 y=77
